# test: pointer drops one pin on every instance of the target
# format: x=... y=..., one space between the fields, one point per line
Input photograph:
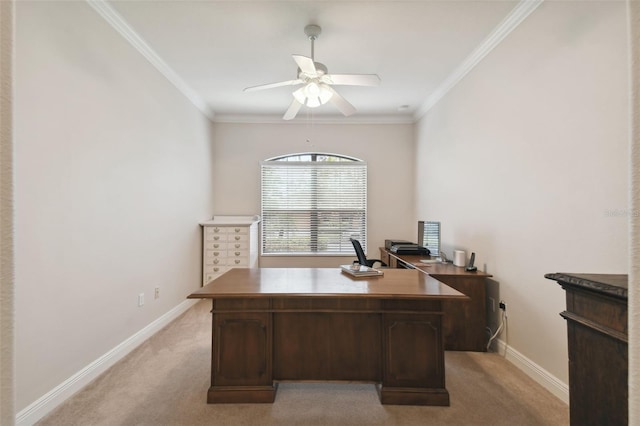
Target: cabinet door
x=413 y=352
x=241 y=349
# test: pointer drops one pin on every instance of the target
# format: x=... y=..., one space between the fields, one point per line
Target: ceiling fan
x=317 y=82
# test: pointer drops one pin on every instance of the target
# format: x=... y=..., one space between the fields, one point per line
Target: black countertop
x=616 y=285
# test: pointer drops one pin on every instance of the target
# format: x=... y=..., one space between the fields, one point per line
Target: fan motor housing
x=312 y=31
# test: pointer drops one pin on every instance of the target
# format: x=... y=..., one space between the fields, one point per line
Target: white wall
x=112 y=175
x=7 y=400
x=387 y=149
x=634 y=219
x=526 y=164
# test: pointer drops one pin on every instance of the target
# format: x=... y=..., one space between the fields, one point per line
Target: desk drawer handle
x=237 y=238
x=216 y=261
x=237 y=229
x=216 y=253
x=216 y=238
x=216 y=245
x=216 y=269
x=237 y=245
x=237 y=261
x=237 y=253
x=216 y=229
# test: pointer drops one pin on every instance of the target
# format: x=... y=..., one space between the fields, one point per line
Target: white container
x=459 y=258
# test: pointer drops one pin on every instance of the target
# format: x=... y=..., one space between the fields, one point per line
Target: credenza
x=228 y=242
x=464 y=323
x=597 y=335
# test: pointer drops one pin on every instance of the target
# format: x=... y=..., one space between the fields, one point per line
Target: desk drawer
x=241 y=262
x=215 y=253
x=326 y=305
x=215 y=245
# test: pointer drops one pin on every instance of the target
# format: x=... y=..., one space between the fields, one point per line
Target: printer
x=389 y=243
x=410 y=249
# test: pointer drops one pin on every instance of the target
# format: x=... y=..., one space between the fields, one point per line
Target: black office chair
x=362 y=258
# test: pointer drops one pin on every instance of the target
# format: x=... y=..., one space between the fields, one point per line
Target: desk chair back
x=362 y=258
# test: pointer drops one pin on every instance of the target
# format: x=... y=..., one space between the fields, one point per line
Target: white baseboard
x=533 y=370
x=73 y=384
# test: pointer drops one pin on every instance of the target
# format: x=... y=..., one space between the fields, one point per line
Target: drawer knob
x=216 y=245
x=216 y=229
x=237 y=229
x=237 y=261
x=216 y=238
x=216 y=261
x=237 y=238
x=237 y=253
x=216 y=269
x=216 y=253
x=237 y=245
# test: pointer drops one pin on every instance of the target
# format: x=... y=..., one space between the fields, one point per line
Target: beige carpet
x=165 y=382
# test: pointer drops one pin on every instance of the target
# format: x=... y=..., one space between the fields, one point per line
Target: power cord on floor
x=503 y=317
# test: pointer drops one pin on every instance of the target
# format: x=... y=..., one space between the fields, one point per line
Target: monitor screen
x=429 y=236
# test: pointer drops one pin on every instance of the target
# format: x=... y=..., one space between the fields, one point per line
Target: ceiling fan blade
x=306 y=65
x=293 y=110
x=341 y=103
x=272 y=85
x=354 y=79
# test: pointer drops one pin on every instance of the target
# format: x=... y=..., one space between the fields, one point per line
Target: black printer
x=410 y=249
x=389 y=243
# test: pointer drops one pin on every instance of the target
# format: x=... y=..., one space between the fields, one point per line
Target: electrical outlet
x=492 y=304
x=503 y=305
x=141 y=299
x=157 y=293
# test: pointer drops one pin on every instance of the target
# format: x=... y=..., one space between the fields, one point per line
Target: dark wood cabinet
x=597 y=336
x=464 y=323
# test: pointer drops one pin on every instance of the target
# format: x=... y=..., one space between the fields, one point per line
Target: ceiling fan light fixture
x=300 y=96
x=313 y=94
x=317 y=84
x=325 y=94
x=312 y=90
x=313 y=102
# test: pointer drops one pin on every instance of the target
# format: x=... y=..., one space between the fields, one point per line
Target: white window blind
x=313 y=207
x=429 y=236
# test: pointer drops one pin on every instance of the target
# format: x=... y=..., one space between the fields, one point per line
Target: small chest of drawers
x=228 y=242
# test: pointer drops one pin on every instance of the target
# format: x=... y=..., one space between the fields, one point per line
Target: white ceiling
x=217 y=48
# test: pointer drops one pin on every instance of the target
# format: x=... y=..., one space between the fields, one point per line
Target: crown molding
x=125 y=30
x=519 y=13
x=316 y=119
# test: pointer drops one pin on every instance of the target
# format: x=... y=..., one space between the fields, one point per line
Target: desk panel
x=463 y=323
x=327 y=346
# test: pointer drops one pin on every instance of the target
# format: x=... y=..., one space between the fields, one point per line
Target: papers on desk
x=438 y=260
x=363 y=271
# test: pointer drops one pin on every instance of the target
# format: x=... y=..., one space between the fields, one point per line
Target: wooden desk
x=274 y=324
x=465 y=323
x=598 y=338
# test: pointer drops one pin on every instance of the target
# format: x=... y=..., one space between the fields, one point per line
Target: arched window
x=312 y=203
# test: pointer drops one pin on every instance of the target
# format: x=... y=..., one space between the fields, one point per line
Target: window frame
x=359 y=214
